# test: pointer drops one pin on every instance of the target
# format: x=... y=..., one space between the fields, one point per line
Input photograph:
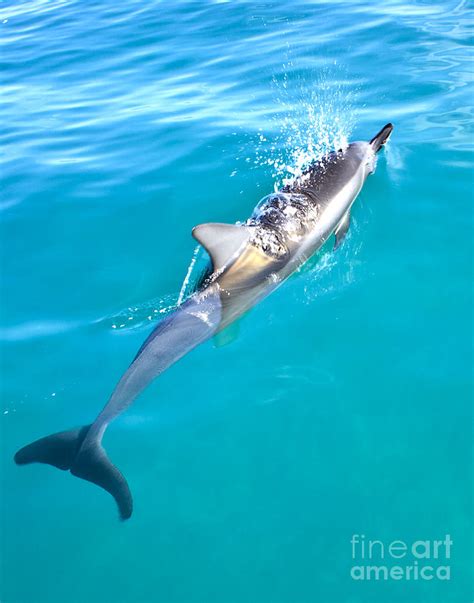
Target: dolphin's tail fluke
x=381 y=138
x=64 y=450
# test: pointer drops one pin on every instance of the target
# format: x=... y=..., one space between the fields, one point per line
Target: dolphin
x=247 y=262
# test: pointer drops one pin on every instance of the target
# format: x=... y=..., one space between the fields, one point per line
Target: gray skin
x=248 y=261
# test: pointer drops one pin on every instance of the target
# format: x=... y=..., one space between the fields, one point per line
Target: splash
x=395 y=161
x=187 y=279
x=308 y=123
x=199 y=264
x=141 y=315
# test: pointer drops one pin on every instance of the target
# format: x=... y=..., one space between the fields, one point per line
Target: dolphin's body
x=248 y=262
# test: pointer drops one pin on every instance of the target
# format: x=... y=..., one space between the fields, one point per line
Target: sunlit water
x=344 y=406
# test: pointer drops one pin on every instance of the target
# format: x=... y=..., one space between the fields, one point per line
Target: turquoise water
x=344 y=406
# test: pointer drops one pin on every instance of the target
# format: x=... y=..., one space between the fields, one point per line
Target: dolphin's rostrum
x=248 y=261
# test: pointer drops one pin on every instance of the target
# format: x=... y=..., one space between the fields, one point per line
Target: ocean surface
x=343 y=410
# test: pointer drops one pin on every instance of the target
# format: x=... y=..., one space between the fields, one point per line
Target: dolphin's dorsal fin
x=221 y=241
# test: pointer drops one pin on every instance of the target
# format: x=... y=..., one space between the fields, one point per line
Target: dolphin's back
x=325 y=178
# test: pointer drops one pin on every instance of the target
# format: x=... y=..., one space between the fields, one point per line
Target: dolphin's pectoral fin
x=227 y=335
x=342 y=229
x=221 y=241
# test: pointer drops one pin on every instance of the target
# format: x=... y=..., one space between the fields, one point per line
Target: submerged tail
x=381 y=138
x=64 y=450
